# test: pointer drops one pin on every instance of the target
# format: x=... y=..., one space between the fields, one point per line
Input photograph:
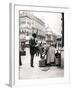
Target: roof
x=31 y=16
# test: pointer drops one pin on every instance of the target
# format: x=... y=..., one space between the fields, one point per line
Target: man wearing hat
x=33 y=46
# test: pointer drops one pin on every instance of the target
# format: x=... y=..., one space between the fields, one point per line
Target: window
x=28 y=23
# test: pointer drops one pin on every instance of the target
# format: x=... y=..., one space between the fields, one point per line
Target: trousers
x=32 y=58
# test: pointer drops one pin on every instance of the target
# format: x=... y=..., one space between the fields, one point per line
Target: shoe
x=32 y=66
x=48 y=64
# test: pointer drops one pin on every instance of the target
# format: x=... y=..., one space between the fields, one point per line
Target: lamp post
x=62 y=29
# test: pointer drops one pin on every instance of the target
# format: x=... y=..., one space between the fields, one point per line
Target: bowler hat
x=34 y=35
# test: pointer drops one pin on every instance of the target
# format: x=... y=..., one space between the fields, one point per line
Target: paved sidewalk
x=27 y=72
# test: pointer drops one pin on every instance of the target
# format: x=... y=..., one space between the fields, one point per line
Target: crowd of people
x=43 y=50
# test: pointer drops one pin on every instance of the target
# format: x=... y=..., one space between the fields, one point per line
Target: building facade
x=28 y=24
x=51 y=37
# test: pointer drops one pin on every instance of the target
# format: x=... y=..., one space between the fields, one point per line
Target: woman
x=41 y=49
x=51 y=54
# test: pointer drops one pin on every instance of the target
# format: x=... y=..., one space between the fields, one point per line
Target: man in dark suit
x=33 y=47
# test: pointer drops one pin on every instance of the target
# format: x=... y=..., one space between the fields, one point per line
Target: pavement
x=27 y=72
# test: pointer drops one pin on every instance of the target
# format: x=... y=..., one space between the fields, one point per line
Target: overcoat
x=32 y=44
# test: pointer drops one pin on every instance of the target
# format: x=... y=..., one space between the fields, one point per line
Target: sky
x=52 y=20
